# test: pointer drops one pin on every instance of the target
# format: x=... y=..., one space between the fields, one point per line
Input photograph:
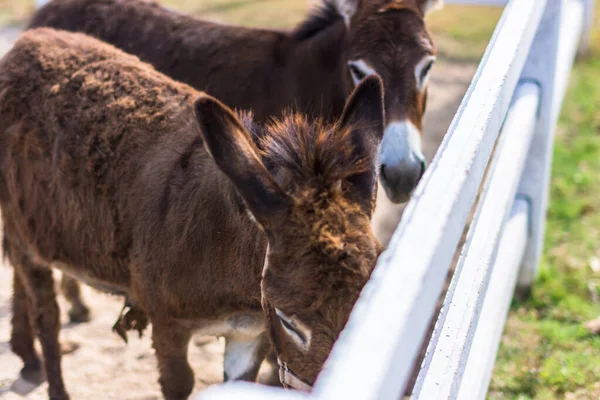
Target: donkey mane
x=321 y=17
x=314 y=153
x=311 y=159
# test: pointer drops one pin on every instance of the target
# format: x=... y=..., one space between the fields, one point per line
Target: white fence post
x=551 y=58
x=383 y=336
x=535 y=41
x=588 y=21
x=238 y=390
x=479 y=366
x=478 y=2
x=442 y=371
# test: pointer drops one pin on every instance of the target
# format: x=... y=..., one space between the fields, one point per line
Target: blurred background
x=551 y=346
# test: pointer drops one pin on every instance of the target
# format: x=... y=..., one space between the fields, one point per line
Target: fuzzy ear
x=346 y=8
x=426 y=6
x=364 y=116
x=234 y=152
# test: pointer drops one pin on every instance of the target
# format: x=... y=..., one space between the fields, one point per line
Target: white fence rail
x=444 y=365
x=478 y=368
x=390 y=320
x=473 y=2
x=517 y=90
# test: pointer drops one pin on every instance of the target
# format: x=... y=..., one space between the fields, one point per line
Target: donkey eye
x=359 y=69
x=291 y=328
x=357 y=73
x=422 y=71
x=287 y=325
x=426 y=70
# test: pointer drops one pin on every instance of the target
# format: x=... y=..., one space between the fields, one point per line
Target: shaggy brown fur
x=267 y=71
x=141 y=186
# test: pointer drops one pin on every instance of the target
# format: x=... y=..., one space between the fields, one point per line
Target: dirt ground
x=98 y=365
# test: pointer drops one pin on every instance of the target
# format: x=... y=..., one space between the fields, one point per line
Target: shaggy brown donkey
x=142 y=186
x=313 y=68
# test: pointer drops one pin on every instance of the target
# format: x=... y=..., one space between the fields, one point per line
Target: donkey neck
x=319 y=72
x=214 y=259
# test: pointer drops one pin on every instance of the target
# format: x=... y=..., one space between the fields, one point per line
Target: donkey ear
x=364 y=116
x=347 y=9
x=426 y=6
x=234 y=152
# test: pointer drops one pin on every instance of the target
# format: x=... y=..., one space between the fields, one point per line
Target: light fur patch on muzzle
x=402 y=160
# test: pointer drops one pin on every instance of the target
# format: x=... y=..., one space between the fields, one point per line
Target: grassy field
x=274 y=13
x=546 y=351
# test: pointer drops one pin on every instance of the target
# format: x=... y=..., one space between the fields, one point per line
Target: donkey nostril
x=423 y=168
x=382 y=171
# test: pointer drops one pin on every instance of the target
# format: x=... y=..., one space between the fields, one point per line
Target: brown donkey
x=142 y=186
x=312 y=68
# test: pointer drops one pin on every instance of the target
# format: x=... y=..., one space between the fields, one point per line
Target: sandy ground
x=97 y=364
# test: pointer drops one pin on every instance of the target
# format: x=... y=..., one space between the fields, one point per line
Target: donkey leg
x=45 y=318
x=21 y=335
x=243 y=356
x=79 y=312
x=170 y=341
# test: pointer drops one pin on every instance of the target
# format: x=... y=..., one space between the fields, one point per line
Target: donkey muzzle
x=402 y=160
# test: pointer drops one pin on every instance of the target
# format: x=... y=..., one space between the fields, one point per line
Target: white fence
x=507 y=121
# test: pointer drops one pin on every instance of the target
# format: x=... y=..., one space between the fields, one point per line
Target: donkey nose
x=423 y=168
x=400 y=180
x=402 y=161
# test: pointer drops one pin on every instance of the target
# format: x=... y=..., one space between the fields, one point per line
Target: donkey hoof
x=68 y=347
x=33 y=373
x=63 y=396
x=78 y=315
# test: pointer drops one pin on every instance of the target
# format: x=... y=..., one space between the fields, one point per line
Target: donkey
x=312 y=68
x=141 y=186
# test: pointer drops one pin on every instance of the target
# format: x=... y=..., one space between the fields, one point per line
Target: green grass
x=546 y=352
x=259 y=13
x=14 y=11
x=462 y=33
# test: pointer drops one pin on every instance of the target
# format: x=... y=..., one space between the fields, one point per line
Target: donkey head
x=311 y=188
x=389 y=38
